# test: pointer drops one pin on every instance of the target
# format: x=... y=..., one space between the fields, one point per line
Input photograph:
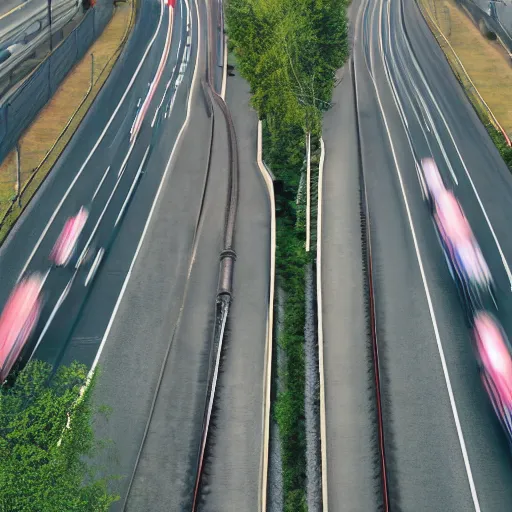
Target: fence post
x=18 y=173
x=92 y=71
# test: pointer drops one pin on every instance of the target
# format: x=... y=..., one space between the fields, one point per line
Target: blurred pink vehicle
x=432 y=182
x=65 y=245
x=463 y=255
x=494 y=355
x=18 y=320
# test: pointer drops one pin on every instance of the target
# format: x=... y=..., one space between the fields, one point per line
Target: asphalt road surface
x=146 y=315
x=80 y=178
x=234 y=463
x=349 y=396
x=444 y=447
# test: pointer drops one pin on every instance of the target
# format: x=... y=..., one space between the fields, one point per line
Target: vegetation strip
x=289 y=51
x=45 y=466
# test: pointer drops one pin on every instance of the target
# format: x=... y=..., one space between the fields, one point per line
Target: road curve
x=445 y=449
x=233 y=463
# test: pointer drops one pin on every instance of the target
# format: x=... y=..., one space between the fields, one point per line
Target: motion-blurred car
x=431 y=182
x=494 y=358
x=66 y=244
x=18 y=321
x=464 y=257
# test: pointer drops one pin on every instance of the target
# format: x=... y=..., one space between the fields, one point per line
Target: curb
x=320 y=332
x=267 y=381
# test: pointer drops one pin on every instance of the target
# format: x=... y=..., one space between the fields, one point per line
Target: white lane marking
x=438 y=108
x=96 y=226
x=451 y=396
x=163 y=97
x=100 y=183
x=141 y=114
x=60 y=300
x=45 y=277
x=132 y=188
x=98 y=142
x=172 y=73
x=125 y=161
x=139 y=246
x=94 y=266
x=400 y=108
x=361 y=12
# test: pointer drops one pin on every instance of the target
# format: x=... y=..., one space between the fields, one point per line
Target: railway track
x=371 y=313
x=228 y=254
x=227 y=260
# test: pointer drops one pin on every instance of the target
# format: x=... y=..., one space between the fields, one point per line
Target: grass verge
x=45 y=139
x=485 y=66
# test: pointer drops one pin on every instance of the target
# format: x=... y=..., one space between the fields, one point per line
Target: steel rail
x=228 y=254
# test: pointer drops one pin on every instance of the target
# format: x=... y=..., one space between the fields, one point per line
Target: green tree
x=46 y=436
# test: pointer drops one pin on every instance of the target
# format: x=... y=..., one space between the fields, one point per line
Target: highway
x=152 y=167
x=80 y=176
x=444 y=447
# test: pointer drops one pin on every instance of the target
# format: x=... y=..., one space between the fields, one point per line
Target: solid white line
x=132 y=188
x=45 y=277
x=94 y=266
x=61 y=299
x=267 y=377
x=139 y=246
x=100 y=183
x=422 y=77
x=89 y=156
x=451 y=396
x=125 y=161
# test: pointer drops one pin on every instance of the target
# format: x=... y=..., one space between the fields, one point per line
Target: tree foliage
x=37 y=472
x=289 y=51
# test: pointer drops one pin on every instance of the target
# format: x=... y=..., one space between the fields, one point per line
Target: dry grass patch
x=48 y=135
x=485 y=61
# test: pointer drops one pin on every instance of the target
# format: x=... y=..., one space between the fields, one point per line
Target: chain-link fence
x=30 y=150
x=19 y=109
